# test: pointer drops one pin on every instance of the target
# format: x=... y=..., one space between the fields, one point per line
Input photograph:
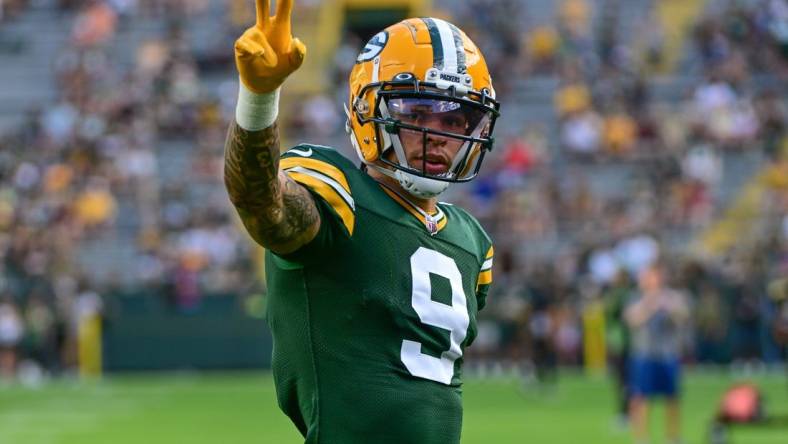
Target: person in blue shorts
x=657 y=318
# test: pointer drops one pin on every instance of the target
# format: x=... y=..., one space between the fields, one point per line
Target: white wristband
x=255 y=112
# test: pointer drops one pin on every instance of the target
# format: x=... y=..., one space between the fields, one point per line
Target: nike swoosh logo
x=306 y=153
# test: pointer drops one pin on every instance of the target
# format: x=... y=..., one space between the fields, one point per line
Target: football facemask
x=433 y=134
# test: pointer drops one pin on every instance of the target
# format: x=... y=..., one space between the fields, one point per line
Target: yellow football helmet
x=421 y=65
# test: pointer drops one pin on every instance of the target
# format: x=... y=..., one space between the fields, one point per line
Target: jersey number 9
x=453 y=318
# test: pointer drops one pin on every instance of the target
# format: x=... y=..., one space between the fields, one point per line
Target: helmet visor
x=445 y=116
x=418 y=124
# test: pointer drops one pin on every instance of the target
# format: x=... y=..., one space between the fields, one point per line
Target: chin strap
x=420 y=187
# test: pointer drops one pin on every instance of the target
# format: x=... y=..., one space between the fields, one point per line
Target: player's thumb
x=297 y=53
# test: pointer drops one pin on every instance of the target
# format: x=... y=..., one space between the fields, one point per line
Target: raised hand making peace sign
x=267 y=53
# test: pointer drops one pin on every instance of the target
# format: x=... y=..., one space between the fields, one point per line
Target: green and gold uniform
x=370 y=319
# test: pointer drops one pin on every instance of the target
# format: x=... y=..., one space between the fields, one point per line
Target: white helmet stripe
x=462 y=67
x=450 y=49
x=435 y=40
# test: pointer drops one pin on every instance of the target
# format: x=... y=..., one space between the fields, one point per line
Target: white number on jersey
x=452 y=317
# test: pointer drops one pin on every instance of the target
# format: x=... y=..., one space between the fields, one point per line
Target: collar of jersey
x=438 y=216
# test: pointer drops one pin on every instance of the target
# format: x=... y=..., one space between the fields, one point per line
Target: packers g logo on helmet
x=373 y=47
x=421 y=64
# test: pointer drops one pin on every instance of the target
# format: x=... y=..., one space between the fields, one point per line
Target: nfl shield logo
x=432 y=226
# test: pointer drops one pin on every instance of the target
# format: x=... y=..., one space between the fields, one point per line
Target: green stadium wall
x=142 y=332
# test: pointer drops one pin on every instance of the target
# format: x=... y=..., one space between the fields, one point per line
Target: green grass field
x=240 y=408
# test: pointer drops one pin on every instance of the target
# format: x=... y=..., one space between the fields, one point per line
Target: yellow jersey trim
x=331 y=197
x=443 y=219
x=485 y=278
x=317 y=165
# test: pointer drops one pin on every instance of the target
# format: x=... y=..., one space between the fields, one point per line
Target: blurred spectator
x=573 y=98
x=746 y=319
x=619 y=133
x=95 y=25
x=522 y=155
x=603 y=265
x=11 y=333
x=703 y=164
x=770 y=108
x=40 y=330
x=186 y=290
x=712 y=96
x=95 y=205
x=574 y=16
x=542 y=45
x=616 y=297
x=541 y=323
x=567 y=336
x=636 y=253
x=711 y=325
x=658 y=321
x=581 y=133
x=751 y=29
x=778 y=291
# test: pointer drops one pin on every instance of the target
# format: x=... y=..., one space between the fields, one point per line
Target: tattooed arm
x=277 y=212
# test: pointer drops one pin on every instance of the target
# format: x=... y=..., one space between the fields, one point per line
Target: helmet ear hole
x=361 y=106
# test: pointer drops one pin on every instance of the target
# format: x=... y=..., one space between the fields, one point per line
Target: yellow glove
x=267 y=53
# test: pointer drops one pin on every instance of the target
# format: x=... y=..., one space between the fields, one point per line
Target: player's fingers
x=263 y=12
x=269 y=55
x=298 y=53
x=248 y=47
x=242 y=48
x=283 y=10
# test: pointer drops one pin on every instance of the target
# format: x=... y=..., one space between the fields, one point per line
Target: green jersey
x=370 y=319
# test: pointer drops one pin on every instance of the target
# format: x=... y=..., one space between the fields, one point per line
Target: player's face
x=435 y=154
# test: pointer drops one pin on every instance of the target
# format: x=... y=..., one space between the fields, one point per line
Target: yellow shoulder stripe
x=485 y=278
x=330 y=196
x=317 y=165
x=489 y=253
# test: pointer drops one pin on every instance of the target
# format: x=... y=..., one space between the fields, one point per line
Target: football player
x=374 y=286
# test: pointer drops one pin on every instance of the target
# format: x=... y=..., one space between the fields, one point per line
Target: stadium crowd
x=675 y=152
x=71 y=166
x=91 y=171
